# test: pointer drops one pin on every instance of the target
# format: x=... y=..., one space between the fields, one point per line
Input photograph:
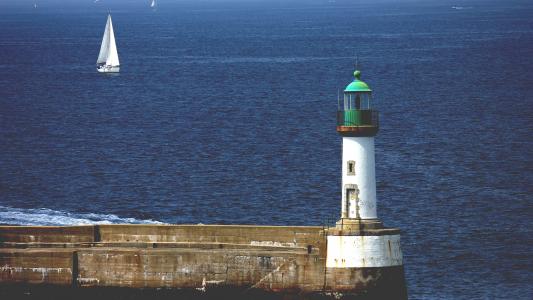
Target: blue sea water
x=224 y=112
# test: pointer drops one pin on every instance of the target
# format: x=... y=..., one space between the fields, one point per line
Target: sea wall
x=279 y=259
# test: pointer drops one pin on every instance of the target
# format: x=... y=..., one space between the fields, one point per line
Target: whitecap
x=49 y=217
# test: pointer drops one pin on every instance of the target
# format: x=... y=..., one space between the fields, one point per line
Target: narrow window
x=346 y=102
x=351 y=167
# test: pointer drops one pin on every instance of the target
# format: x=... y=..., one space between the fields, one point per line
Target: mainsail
x=108 y=50
x=152 y=4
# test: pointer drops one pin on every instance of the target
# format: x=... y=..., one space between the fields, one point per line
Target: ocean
x=224 y=112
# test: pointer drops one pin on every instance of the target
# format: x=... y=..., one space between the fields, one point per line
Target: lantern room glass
x=356 y=101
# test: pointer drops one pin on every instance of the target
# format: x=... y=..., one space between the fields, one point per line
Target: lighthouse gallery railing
x=358 y=118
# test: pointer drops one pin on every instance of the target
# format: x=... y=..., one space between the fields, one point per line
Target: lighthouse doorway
x=351 y=202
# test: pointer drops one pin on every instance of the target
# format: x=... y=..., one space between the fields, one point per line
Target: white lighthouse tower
x=359 y=246
x=357 y=123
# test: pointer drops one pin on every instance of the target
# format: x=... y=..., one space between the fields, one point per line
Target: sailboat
x=152 y=5
x=108 y=58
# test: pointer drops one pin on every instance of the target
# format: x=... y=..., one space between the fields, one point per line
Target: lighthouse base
x=365 y=249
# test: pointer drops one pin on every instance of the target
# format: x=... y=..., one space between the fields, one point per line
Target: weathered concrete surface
x=281 y=259
x=53 y=266
x=47 y=234
x=288 y=236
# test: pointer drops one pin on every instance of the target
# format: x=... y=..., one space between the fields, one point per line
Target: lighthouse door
x=351 y=200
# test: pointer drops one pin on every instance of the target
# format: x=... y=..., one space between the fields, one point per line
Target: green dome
x=357 y=85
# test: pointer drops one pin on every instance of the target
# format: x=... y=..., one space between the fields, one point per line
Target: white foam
x=45 y=216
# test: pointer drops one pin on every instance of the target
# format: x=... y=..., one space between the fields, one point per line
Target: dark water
x=225 y=113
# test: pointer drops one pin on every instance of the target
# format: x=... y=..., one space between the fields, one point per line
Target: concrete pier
x=272 y=260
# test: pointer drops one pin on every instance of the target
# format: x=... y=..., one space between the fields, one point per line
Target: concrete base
x=351 y=224
x=363 y=250
x=273 y=261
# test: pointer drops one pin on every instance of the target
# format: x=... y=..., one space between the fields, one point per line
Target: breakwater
x=272 y=260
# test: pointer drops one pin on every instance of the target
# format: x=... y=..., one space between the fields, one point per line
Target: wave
x=49 y=217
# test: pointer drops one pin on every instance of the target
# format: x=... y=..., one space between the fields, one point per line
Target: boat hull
x=108 y=69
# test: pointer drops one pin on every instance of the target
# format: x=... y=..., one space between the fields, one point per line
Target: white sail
x=104 y=48
x=112 y=57
x=108 y=50
x=152 y=4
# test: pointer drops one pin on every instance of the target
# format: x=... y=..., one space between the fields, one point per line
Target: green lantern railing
x=355 y=117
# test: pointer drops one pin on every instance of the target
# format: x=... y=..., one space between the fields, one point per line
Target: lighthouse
x=359 y=247
x=357 y=123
